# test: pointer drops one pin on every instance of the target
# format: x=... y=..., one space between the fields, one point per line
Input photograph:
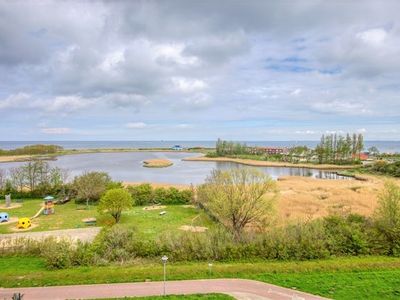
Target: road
x=239 y=288
x=83 y=234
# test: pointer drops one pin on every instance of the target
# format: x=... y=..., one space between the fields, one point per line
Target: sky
x=199 y=70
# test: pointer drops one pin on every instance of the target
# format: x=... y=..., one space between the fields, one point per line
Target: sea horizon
x=389 y=146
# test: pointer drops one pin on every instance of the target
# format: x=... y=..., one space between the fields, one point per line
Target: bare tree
x=91 y=185
x=238 y=197
x=2 y=179
x=17 y=176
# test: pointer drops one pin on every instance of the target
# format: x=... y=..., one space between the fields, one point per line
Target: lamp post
x=164 y=260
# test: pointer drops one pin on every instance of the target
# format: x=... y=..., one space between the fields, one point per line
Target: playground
x=150 y=221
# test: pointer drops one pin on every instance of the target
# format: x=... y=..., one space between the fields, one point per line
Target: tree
x=91 y=185
x=115 y=201
x=17 y=178
x=238 y=197
x=373 y=151
x=2 y=179
x=387 y=217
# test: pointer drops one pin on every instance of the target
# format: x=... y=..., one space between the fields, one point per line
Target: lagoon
x=128 y=167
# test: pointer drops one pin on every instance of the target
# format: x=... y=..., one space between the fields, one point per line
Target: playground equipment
x=48 y=205
x=24 y=223
x=4 y=217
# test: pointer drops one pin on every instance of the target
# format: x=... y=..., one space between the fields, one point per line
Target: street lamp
x=164 y=260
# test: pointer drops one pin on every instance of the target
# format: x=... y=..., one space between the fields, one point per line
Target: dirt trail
x=82 y=234
x=239 y=288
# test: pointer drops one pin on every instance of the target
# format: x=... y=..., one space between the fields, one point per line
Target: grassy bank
x=264 y=163
x=340 y=278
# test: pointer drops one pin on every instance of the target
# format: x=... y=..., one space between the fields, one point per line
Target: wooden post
x=8 y=200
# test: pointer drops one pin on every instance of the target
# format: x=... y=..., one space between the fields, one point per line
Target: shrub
x=57 y=255
x=144 y=194
x=387 y=218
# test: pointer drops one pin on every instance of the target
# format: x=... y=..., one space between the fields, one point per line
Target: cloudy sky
x=198 y=70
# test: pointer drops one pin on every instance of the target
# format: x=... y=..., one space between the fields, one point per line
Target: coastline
x=22 y=158
x=15 y=158
x=262 y=163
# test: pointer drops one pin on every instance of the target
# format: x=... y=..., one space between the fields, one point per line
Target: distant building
x=177 y=148
x=269 y=150
x=362 y=156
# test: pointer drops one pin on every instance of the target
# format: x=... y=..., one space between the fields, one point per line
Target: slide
x=38 y=213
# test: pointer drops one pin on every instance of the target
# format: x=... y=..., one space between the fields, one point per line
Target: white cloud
x=56 y=130
x=67 y=104
x=307 y=132
x=187 y=85
x=19 y=100
x=374 y=37
x=136 y=125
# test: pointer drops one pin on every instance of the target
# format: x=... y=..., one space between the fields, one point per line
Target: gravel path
x=239 y=288
x=83 y=234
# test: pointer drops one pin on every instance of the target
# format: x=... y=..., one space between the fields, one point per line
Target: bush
x=144 y=194
x=57 y=254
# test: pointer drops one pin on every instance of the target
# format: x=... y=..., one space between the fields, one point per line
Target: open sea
x=383 y=146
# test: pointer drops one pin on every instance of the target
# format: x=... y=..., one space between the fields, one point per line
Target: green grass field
x=148 y=222
x=340 y=278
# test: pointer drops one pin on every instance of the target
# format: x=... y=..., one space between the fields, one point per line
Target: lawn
x=340 y=278
x=148 y=222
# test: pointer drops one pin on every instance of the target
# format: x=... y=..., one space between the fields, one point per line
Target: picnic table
x=89 y=221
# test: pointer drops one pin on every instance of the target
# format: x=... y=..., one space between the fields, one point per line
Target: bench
x=89 y=221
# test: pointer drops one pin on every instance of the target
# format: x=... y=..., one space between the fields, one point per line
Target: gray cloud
x=230 y=61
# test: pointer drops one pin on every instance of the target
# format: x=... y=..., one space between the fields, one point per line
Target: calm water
x=383 y=146
x=128 y=167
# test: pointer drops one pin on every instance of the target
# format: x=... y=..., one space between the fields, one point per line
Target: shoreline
x=262 y=163
x=53 y=156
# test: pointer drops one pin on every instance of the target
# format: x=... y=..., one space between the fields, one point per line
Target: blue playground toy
x=3 y=217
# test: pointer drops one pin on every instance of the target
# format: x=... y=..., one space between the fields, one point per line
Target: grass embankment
x=157 y=163
x=340 y=278
x=265 y=163
x=148 y=222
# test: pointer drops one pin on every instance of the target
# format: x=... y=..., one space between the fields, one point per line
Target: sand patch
x=10 y=221
x=12 y=206
x=189 y=206
x=15 y=229
x=11 y=158
x=154 y=207
x=157 y=163
x=193 y=228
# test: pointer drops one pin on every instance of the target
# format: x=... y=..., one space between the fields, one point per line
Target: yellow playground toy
x=24 y=223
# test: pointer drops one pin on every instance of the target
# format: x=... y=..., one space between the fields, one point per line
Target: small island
x=157 y=163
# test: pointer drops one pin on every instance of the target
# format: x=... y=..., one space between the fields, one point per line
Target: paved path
x=238 y=288
x=83 y=234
